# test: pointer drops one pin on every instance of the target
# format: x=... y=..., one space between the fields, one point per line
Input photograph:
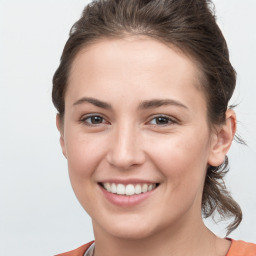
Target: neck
x=179 y=240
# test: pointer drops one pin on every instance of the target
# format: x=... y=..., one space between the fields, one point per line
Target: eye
x=93 y=120
x=161 y=120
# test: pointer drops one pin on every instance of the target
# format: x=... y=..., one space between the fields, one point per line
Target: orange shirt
x=237 y=248
x=241 y=248
x=77 y=252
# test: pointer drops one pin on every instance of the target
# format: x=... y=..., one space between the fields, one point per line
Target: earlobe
x=60 y=128
x=222 y=140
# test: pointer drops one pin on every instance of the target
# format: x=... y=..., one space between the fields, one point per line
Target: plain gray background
x=39 y=214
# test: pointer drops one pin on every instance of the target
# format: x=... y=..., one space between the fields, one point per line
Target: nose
x=125 y=150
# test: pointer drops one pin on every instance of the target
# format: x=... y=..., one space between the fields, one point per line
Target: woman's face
x=136 y=119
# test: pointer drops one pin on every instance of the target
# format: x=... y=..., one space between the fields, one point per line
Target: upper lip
x=128 y=181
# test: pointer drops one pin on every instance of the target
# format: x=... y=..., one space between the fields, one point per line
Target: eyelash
x=84 y=120
x=170 y=121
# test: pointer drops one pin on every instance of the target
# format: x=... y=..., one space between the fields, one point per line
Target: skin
x=129 y=142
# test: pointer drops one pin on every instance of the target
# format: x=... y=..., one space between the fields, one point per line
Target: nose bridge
x=125 y=150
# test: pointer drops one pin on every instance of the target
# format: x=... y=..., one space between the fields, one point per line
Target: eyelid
x=171 y=119
x=84 y=117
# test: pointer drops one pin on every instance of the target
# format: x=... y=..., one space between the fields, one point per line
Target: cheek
x=84 y=153
x=183 y=163
x=182 y=159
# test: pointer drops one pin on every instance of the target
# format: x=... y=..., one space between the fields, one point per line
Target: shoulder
x=77 y=252
x=241 y=248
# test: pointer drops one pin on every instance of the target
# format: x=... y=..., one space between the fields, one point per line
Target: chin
x=130 y=228
x=135 y=233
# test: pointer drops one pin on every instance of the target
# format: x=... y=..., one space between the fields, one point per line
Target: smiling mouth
x=128 y=189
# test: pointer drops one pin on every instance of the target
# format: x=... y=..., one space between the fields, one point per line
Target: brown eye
x=93 y=120
x=96 y=119
x=161 y=120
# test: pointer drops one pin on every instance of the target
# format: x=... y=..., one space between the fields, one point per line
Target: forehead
x=132 y=64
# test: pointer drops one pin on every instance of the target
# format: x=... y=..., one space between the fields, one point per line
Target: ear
x=60 y=127
x=222 y=140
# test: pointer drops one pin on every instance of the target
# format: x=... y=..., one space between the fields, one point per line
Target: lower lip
x=126 y=201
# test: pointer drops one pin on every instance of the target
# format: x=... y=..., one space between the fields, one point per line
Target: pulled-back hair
x=189 y=25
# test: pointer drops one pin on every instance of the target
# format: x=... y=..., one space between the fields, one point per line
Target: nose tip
x=123 y=159
x=125 y=151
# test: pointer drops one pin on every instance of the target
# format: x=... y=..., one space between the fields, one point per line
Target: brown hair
x=190 y=25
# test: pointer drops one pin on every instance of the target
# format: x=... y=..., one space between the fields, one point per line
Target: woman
x=142 y=95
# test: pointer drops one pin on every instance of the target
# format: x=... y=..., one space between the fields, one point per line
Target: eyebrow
x=93 y=101
x=155 y=103
x=147 y=104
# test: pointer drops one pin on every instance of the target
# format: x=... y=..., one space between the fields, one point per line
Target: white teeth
x=145 y=188
x=113 y=188
x=120 y=189
x=107 y=186
x=138 y=189
x=129 y=189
